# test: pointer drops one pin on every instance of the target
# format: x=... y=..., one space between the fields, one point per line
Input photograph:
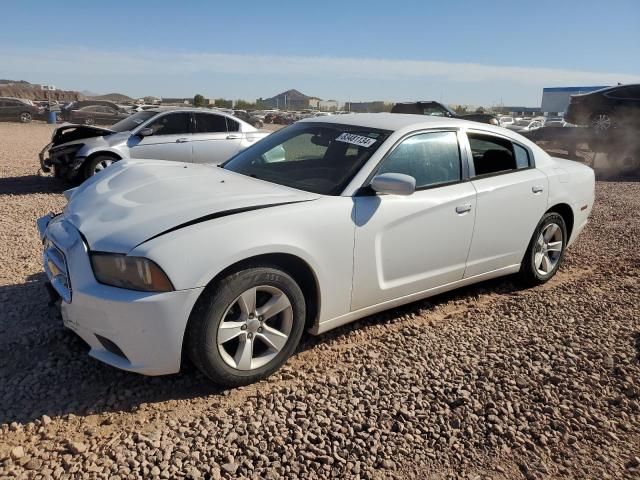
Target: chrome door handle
x=537 y=188
x=233 y=137
x=460 y=209
x=182 y=140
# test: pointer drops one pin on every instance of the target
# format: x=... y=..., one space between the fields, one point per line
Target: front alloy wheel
x=255 y=328
x=97 y=164
x=245 y=326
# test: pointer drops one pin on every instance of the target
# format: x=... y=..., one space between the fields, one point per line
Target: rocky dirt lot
x=493 y=381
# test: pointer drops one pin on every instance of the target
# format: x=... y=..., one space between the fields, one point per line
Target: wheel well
x=567 y=214
x=299 y=270
x=102 y=154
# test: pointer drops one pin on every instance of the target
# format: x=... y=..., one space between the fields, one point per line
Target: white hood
x=134 y=200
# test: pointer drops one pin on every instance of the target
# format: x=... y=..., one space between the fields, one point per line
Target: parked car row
x=316 y=225
x=20 y=110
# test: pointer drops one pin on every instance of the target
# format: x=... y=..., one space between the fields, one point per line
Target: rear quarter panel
x=571 y=183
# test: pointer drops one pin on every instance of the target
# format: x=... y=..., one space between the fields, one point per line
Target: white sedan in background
x=153 y=259
x=194 y=135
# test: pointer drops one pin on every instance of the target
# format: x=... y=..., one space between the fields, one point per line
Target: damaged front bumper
x=63 y=161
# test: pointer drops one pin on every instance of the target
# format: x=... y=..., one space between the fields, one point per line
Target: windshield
x=315 y=157
x=132 y=121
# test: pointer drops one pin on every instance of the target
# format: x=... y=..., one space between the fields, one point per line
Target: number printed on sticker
x=356 y=139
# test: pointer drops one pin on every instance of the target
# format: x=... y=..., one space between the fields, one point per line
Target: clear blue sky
x=460 y=51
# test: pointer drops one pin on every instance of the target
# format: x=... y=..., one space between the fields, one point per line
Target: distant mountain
x=33 y=91
x=112 y=97
x=89 y=93
x=4 y=81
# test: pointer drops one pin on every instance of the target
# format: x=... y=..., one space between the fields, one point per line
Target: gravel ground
x=492 y=381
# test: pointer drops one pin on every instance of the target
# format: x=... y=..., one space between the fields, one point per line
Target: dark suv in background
x=439 y=110
x=18 y=109
x=606 y=109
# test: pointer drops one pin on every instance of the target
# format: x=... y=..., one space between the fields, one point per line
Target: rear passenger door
x=511 y=198
x=216 y=138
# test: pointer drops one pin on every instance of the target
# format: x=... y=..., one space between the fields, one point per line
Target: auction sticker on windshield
x=356 y=139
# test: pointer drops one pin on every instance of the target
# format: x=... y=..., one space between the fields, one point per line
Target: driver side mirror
x=146 y=132
x=394 y=184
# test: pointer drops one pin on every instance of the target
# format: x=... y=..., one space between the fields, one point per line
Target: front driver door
x=171 y=139
x=410 y=244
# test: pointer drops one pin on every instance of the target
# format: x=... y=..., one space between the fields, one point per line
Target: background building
x=556 y=100
x=289 y=100
x=329 y=105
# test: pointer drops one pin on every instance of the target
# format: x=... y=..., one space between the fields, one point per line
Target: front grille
x=55 y=266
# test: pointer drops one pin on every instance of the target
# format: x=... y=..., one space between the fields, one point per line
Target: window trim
x=472 y=168
x=365 y=189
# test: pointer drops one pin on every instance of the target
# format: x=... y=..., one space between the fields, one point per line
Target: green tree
x=198 y=101
x=223 y=103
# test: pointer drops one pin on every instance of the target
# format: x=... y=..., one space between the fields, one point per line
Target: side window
x=430 y=158
x=433 y=110
x=232 y=125
x=171 y=124
x=210 y=123
x=494 y=154
x=522 y=156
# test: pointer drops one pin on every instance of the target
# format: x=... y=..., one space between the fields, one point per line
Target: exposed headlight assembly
x=68 y=151
x=133 y=273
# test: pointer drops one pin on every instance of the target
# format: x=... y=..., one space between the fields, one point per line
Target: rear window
x=492 y=155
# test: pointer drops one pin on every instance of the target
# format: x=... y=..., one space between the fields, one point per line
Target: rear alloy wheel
x=25 y=117
x=246 y=326
x=98 y=164
x=601 y=122
x=545 y=251
x=89 y=121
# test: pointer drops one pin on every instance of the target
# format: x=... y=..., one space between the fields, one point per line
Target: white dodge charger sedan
x=317 y=225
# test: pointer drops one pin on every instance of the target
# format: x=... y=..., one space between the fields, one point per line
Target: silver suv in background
x=193 y=135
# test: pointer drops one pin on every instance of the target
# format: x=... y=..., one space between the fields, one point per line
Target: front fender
x=321 y=233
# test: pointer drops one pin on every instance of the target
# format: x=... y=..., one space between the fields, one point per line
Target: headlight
x=133 y=273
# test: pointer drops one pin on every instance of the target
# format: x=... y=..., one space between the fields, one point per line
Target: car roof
x=165 y=109
x=397 y=121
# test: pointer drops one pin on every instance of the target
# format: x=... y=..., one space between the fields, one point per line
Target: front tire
x=545 y=251
x=97 y=164
x=246 y=326
x=25 y=117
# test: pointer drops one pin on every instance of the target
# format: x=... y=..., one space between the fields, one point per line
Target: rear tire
x=89 y=121
x=601 y=122
x=545 y=251
x=235 y=340
x=25 y=117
